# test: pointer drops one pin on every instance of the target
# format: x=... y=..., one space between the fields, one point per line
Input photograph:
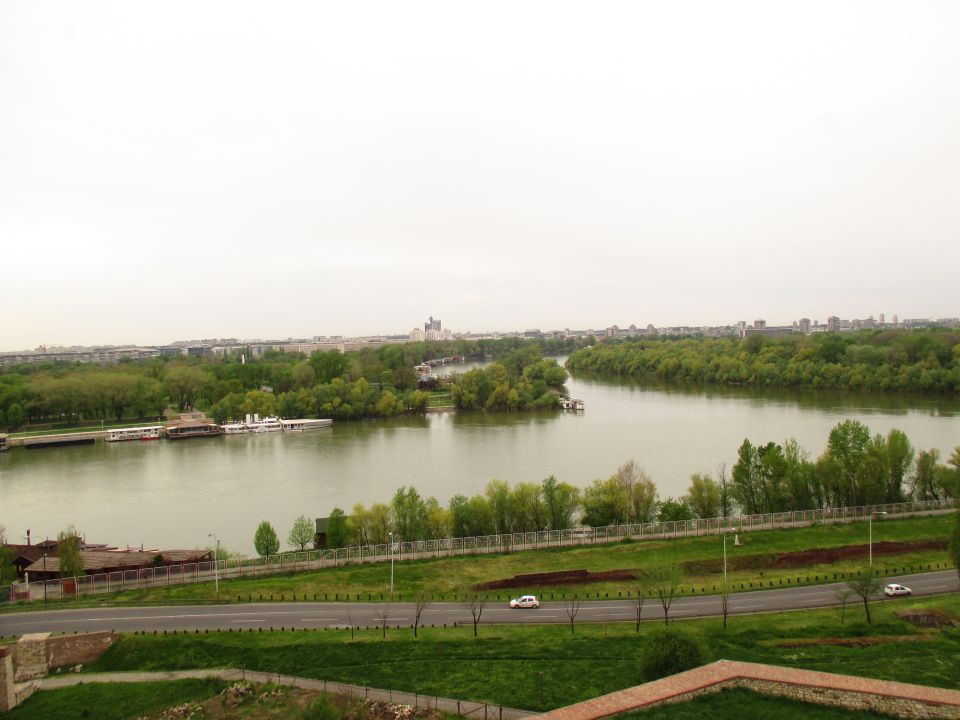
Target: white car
x=894 y=590
x=525 y=601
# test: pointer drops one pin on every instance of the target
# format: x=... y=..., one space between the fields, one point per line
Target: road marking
x=252 y=620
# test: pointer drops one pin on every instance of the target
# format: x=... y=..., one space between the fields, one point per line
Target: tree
x=561 y=501
x=301 y=533
x=265 y=540
x=409 y=514
x=474 y=601
x=383 y=618
x=674 y=511
x=15 y=415
x=664 y=582
x=640 y=598
x=726 y=502
x=703 y=496
x=926 y=475
x=338 y=530
x=68 y=550
x=422 y=601
x=572 y=607
x=843 y=595
x=8 y=571
x=864 y=584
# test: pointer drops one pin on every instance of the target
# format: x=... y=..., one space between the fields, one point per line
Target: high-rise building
x=833 y=323
x=804 y=325
x=432 y=324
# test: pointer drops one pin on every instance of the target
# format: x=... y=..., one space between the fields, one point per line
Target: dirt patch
x=560 y=577
x=927 y=618
x=803 y=558
x=851 y=642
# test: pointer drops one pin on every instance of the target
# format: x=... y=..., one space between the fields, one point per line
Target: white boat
x=149 y=432
x=235 y=428
x=267 y=424
x=301 y=424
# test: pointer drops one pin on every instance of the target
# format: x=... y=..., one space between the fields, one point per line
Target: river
x=173 y=494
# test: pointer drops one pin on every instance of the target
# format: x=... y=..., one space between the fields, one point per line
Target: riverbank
x=764 y=559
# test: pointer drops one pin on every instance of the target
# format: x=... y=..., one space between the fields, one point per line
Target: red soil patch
x=852 y=642
x=821 y=556
x=560 y=577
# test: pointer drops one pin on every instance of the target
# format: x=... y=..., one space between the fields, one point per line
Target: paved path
x=340 y=615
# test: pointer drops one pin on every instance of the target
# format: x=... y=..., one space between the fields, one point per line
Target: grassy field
x=120 y=701
x=744 y=705
x=752 y=565
x=502 y=665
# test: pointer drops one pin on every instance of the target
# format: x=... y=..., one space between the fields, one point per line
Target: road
x=333 y=615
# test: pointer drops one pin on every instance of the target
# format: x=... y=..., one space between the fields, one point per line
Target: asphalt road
x=334 y=615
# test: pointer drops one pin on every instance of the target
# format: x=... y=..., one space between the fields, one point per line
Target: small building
x=107 y=561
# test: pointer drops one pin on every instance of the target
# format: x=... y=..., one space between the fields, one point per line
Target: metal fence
x=104 y=583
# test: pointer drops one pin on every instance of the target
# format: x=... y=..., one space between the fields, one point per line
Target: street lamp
x=44 y=577
x=541 y=687
x=391 y=566
x=870 y=531
x=216 y=571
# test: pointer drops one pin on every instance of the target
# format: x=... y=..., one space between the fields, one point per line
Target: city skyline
x=308 y=168
x=802 y=325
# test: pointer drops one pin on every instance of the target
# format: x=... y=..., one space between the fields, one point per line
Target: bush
x=669 y=651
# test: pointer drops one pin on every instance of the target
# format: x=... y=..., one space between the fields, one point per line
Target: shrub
x=669 y=651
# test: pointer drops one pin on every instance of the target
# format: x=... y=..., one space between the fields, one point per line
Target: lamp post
x=216 y=571
x=391 y=566
x=870 y=533
x=44 y=577
x=724 y=558
x=541 y=687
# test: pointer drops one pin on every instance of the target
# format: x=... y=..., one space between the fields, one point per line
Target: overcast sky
x=183 y=170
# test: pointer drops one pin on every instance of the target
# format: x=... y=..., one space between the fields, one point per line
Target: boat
x=301 y=424
x=148 y=432
x=267 y=424
x=190 y=425
x=234 y=428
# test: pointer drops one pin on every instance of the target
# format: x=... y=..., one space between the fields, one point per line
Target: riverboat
x=572 y=404
x=267 y=424
x=236 y=428
x=301 y=424
x=193 y=429
x=148 y=432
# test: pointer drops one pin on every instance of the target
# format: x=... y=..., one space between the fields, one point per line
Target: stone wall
x=66 y=650
x=900 y=707
x=7 y=697
x=30 y=656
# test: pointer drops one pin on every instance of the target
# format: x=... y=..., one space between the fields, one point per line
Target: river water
x=173 y=494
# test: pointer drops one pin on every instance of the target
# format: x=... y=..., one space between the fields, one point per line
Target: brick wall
x=890 y=698
x=77 y=649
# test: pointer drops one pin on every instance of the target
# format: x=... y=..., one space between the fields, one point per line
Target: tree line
x=522 y=380
x=857 y=468
x=368 y=383
x=890 y=360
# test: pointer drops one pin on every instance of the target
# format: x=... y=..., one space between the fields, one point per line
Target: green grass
x=445 y=576
x=740 y=704
x=113 y=701
x=501 y=665
x=440 y=399
x=82 y=429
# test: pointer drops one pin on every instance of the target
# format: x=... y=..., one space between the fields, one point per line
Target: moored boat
x=148 y=432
